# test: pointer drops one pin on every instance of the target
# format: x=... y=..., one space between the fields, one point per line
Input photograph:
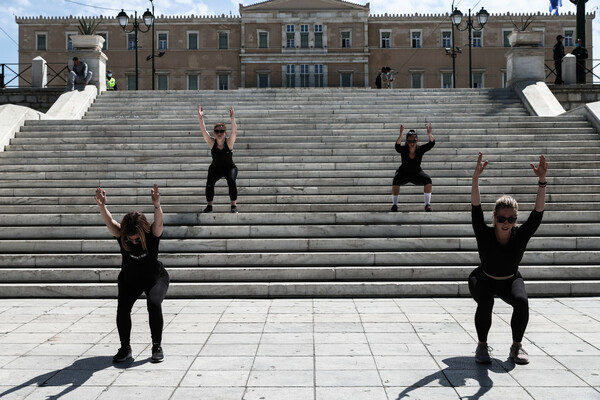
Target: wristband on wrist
x=542 y=183
x=157 y=207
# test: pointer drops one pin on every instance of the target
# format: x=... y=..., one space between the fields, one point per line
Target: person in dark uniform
x=410 y=169
x=501 y=249
x=222 y=166
x=581 y=54
x=141 y=272
x=558 y=52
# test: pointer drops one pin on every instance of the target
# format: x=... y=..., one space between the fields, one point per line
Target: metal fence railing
x=14 y=75
x=594 y=71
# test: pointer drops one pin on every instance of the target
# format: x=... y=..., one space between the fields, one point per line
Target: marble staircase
x=316 y=167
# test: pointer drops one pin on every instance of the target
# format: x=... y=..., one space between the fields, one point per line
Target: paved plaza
x=287 y=349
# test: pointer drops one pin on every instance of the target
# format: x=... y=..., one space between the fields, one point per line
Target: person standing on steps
x=558 y=52
x=410 y=169
x=141 y=272
x=501 y=249
x=222 y=166
x=581 y=54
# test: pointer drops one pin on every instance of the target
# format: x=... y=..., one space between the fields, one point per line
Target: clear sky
x=10 y=8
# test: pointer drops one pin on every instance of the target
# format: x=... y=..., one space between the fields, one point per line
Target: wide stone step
x=365 y=274
x=298 y=258
x=185 y=244
x=295 y=290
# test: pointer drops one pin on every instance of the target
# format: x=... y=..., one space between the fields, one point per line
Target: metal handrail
x=588 y=70
x=57 y=74
x=4 y=66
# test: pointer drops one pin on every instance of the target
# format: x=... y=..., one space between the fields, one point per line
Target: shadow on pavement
x=74 y=375
x=459 y=370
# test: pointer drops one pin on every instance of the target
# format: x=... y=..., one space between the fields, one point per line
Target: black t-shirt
x=222 y=158
x=558 y=51
x=496 y=259
x=413 y=164
x=139 y=264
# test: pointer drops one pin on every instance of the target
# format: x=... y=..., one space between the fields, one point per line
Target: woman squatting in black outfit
x=141 y=272
x=222 y=166
x=501 y=249
x=410 y=169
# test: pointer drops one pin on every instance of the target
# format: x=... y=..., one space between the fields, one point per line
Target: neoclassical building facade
x=300 y=43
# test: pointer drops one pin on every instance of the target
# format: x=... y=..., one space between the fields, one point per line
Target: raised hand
x=231 y=112
x=100 y=197
x=200 y=112
x=401 y=129
x=480 y=166
x=541 y=169
x=155 y=195
x=429 y=129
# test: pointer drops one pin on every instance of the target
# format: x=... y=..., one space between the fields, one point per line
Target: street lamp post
x=153 y=70
x=482 y=17
x=123 y=19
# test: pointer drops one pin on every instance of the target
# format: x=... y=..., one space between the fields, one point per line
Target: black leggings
x=214 y=174
x=129 y=293
x=512 y=291
x=403 y=177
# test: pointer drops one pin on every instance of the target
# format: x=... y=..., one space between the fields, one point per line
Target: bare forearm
x=540 y=199
x=157 y=225
x=113 y=226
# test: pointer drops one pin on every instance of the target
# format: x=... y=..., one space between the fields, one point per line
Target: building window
x=385 y=39
x=304 y=75
x=223 y=40
x=290 y=36
x=345 y=79
x=478 y=80
x=447 y=39
x=163 y=41
x=131 y=41
x=69 y=41
x=193 y=82
x=263 y=40
x=319 y=75
x=40 y=41
x=130 y=82
x=304 y=36
x=416 y=80
x=505 y=33
x=105 y=36
x=319 y=36
x=415 y=39
x=568 y=34
x=192 y=40
x=262 y=80
x=223 y=81
x=447 y=80
x=345 y=37
x=541 y=43
x=477 y=38
x=162 y=82
x=290 y=75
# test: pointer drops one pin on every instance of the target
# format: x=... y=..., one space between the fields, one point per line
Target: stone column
x=525 y=60
x=88 y=48
x=39 y=73
x=569 y=69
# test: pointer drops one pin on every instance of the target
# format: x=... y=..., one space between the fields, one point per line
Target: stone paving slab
x=320 y=349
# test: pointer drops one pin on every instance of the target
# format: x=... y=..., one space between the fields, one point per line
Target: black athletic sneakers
x=157 y=354
x=208 y=209
x=234 y=208
x=482 y=354
x=394 y=208
x=428 y=208
x=123 y=354
x=518 y=355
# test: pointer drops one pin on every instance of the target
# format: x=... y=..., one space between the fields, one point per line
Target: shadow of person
x=458 y=371
x=74 y=375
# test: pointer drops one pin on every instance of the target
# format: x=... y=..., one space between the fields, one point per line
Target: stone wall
x=37 y=99
x=573 y=96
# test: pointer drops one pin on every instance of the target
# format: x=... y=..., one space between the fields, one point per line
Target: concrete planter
x=87 y=42
x=530 y=39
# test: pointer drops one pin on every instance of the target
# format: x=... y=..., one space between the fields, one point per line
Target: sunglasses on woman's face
x=132 y=240
x=411 y=141
x=502 y=219
x=219 y=131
